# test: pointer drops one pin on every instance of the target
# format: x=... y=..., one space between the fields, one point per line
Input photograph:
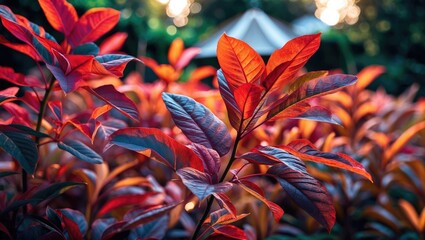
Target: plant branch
x=223 y=176
x=43 y=105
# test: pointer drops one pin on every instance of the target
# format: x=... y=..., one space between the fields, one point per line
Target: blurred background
x=356 y=33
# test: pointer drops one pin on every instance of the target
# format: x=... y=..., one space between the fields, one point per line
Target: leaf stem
x=43 y=105
x=223 y=176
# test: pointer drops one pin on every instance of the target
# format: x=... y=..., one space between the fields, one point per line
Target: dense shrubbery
x=113 y=159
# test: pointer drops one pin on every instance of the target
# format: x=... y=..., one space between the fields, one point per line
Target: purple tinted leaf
x=226 y=93
x=108 y=127
x=210 y=159
x=116 y=99
x=319 y=114
x=153 y=230
x=115 y=63
x=112 y=230
x=198 y=123
x=307 y=192
x=99 y=226
x=200 y=183
x=165 y=149
x=313 y=88
x=147 y=215
x=81 y=151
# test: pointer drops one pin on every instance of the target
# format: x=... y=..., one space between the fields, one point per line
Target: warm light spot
x=330 y=17
x=189 y=206
x=264 y=143
x=333 y=12
x=177 y=7
x=171 y=30
x=195 y=8
x=180 y=21
x=337 y=4
x=163 y=1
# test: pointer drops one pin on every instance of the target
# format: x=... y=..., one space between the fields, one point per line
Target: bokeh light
x=333 y=12
x=179 y=10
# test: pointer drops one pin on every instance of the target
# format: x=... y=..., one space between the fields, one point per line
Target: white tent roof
x=256 y=28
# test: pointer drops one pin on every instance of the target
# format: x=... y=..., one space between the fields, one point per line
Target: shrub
x=108 y=161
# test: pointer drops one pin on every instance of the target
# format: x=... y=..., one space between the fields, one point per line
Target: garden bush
x=87 y=155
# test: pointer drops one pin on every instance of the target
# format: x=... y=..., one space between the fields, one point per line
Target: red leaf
x=22 y=48
x=210 y=160
x=93 y=24
x=248 y=96
x=72 y=227
x=226 y=93
x=19 y=79
x=56 y=108
x=60 y=14
x=116 y=99
x=308 y=152
x=290 y=59
x=8 y=94
x=154 y=143
x=230 y=231
x=224 y=201
x=239 y=62
x=113 y=43
x=186 y=57
x=200 y=184
x=125 y=200
x=115 y=63
x=198 y=123
x=258 y=193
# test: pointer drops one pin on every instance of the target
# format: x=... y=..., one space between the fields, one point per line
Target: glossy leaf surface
x=81 y=151
x=239 y=62
x=116 y=99
x=93 y=24
x=198 y=123
x=307 y=192
x=308 y=152
x=153 y=142
x=200 y=184
x=60 y=14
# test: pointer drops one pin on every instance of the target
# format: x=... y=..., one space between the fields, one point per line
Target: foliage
x=115 y=159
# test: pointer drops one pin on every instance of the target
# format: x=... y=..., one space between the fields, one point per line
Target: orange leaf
x=401 y=141
x=287 y=61
x=410 y=212
x=175 y=51
x=93 y=24
x=239 y=62
x=306 y=151
x=368 y=74
x=60 y=14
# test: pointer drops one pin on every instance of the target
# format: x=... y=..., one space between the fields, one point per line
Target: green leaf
x=22 y=148
x=81 y=151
